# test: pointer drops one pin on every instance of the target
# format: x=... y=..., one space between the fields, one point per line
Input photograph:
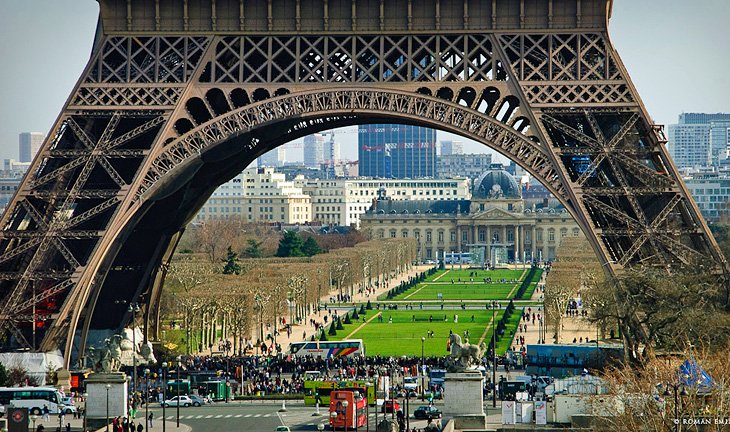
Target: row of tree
x=246 y=299
x=212 y=238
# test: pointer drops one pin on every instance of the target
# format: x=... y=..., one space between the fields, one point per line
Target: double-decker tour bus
x=315 y=390
x=350 y=409
x=327 y=349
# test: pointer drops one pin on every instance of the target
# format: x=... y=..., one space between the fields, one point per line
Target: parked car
x=427 y=412
x=282 y=429
x=410 y=383
x=389 y=406
x=184 y=401
x=68 y=400
x=198 y=401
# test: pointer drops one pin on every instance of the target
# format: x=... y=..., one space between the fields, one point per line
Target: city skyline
x=35 y=87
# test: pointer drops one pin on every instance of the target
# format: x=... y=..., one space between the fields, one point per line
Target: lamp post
x=86 y=397
x=147 y=399
x=108 y=386
x=423 y=368
x=390 y=390
x=333 y=418
x=179 y=361
x=165 y=365
x=494 y=355
x=677 y=393
x=344 y=415
x=61 y=409
x=367 y=410
x=376 y=400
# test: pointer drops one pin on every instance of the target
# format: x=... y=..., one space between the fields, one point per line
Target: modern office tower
x=272 y=158
x=396 y=151
x=28 y=145
x=449 y=147
x=314 y=150
x=690 y=143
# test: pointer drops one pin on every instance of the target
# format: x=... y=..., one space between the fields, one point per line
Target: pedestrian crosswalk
x=219 y=416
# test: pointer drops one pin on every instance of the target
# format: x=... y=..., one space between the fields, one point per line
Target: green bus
x=316 y=389
x=217 y=390
x=174 y=385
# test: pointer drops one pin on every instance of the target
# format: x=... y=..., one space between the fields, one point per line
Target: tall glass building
x=396 y=151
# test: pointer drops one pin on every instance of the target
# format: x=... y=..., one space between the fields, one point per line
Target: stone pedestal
x=107 y=391
x=463 y=400
x=63 y=379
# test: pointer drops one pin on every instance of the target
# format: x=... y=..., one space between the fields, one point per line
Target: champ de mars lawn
x=403 y=335
x=467 y=284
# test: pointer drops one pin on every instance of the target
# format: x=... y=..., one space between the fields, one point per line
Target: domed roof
x=496 y=183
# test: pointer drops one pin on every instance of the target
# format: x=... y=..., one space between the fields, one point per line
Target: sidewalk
x=572 y=327
x=305 y=330
x=78 y=425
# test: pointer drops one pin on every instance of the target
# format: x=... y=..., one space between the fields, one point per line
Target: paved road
x=258 y=417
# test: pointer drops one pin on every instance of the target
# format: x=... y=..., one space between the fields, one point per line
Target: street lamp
x=165 y=365
x=61 y=409
x=423 y=368
x=146 y=399
x=376 y=400
x=333 y=419
x=108 y=386
x=494 y=355
x=179 y=363
x=344 y=414
x=677 y=394
x=86 y=397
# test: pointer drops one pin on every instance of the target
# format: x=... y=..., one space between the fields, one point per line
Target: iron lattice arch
x=177 y=99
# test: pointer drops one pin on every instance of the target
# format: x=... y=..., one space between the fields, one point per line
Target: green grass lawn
x=403 y=336
x=478 y=274
x=457 y=292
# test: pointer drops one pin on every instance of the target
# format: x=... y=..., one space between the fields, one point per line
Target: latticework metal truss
x=179 y=95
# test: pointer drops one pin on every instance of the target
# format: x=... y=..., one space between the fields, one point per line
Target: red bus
x=350 y=409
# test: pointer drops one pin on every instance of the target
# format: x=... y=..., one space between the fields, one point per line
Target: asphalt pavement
x=257 y=417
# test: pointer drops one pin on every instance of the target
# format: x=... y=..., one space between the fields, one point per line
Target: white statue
x=464 y=355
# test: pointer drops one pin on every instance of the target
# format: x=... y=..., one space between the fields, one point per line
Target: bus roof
x=28 y=388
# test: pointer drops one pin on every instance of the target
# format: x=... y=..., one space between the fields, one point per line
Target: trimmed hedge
x=406 y=285
x=525 y=283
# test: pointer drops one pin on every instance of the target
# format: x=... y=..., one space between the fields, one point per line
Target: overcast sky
x=675 y=50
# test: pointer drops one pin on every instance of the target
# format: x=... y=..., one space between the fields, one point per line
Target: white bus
x=33 y=398
x=457 y=258
x=327 y=349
